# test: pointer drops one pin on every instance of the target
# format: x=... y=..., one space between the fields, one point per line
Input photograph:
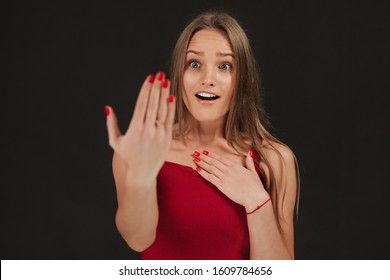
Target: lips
x=206 y=96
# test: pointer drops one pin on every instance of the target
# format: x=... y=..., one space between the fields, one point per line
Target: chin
x=203 y=118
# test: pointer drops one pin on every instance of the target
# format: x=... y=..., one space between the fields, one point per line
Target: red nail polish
x=106 y=110
x=165 y=83
x=171 y=98
x=205 y=152
x=151 y=79
x=196 y=154
x=198 y=169
x=160 y=76
x=197 y=159
x=251 y=153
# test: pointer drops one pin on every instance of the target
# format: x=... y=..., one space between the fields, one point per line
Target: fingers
x=211 y=163
x=154 y=98
x=218 y=166
x=170 y=115
x=249 y=162
x=216 y=160
x=209 y=177
x=142 y=101
x=112 y=126
x=163 y=104
x=152 y=102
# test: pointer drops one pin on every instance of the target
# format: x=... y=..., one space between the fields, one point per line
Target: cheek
x=187 y=84
x=189 y=80
x=228 y=85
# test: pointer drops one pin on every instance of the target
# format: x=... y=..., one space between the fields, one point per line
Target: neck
x=206 y=133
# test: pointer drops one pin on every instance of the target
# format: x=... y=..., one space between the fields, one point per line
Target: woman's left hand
x=240 y=184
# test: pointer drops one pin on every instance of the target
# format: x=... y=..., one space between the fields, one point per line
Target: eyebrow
x=223 y=54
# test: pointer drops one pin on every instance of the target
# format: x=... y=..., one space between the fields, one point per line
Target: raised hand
x=146 y=142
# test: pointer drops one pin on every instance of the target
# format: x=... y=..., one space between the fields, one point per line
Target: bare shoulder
x=278 y=153
x=283 y=163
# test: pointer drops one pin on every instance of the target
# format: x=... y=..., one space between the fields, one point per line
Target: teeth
x=207 y=95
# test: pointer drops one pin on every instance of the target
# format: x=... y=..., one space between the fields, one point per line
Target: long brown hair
x=246 y=123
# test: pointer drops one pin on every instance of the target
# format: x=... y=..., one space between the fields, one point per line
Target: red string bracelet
x=258 y=207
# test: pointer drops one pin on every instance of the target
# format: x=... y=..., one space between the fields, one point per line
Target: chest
x=183 y=155
x=192 y=206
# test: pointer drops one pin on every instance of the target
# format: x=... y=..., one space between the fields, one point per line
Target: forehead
x=206 y=39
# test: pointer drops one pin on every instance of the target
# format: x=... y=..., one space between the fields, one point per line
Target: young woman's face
x=209 y=76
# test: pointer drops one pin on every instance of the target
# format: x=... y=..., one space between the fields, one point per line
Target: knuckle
x=213 y=169
x=135 y=127
x=148 y=132
x=236 y=167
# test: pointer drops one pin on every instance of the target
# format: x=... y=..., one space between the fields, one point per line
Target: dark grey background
x=324 y=69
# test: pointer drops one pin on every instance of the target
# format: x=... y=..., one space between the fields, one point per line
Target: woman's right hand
x=146 y=143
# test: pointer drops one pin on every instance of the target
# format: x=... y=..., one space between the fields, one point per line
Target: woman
x=208 y=181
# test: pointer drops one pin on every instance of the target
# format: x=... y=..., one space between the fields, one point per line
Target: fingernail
x=196 y=154
x=165 y=83
x=151 y=78
x=197 y=159
x=205 y=152
x=198 y=169
x=160 y=76
x=251 y=153
x=106 y=110
x=171 y=98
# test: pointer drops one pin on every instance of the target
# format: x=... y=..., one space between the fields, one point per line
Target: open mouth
x=206 y=96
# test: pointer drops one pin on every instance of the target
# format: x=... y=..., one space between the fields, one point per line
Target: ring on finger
x=157 y=123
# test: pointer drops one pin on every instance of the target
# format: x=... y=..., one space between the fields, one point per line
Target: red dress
x=196 y=220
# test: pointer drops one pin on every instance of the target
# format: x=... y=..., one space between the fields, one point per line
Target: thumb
x=249 y=162
x=112 y=126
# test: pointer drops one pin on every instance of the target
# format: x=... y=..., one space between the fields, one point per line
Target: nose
x=209 y=77
x=208 y=83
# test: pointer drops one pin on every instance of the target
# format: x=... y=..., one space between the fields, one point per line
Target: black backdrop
x=324 y=66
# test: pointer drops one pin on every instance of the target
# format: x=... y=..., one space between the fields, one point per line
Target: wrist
x=137 y=183
x=255 y=201
x=258 y=207
x=139 y=180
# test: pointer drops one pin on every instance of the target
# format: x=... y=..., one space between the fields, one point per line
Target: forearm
x=266 y=241
x=137 y=215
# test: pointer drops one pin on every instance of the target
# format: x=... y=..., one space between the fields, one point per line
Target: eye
x=226 y=66
x=194 y=64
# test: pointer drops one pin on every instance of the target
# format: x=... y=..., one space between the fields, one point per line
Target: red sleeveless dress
x=196 y=220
